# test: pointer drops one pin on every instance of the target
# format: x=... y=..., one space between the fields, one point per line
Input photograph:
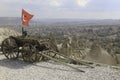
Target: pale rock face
x=118 y=58
x=99 y=55
x=5 y=33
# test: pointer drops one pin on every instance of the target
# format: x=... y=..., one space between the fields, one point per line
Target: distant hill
x=83 y=21
x=9 y=20
x=17 y=20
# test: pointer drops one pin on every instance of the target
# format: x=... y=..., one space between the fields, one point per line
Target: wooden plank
x=43 y=54
x=0 y=51
x=77 y=61
x=0 y=48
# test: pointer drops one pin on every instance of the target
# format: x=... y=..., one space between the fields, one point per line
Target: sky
x=77 y=9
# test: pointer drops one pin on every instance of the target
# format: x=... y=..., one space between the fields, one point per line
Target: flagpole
x=21 y=22
x=22 y=30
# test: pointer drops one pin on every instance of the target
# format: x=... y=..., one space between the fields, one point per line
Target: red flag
x=26 y=17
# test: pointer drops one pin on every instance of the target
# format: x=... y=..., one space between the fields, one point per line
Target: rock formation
x=99 y=55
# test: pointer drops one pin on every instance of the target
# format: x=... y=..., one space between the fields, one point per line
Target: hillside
x=6 y=32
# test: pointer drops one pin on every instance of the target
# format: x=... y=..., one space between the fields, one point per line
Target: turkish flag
x=26 y=17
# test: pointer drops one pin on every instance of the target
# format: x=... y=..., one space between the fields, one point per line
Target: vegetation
x=75 y=40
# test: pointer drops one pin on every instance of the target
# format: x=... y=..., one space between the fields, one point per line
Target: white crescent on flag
x=24 y=18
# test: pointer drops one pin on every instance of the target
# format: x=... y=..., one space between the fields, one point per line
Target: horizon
x=65 y=18
x=69 y=9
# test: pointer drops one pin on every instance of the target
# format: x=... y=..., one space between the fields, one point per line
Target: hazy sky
x=83 y=9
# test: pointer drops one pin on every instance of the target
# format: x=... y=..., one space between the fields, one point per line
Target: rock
x=99 y=55
x=118 y=58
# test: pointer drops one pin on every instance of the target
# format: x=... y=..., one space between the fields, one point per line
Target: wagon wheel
x=30 y=53
x=10 y=48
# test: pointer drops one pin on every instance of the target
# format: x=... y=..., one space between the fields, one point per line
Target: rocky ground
x=19 y=70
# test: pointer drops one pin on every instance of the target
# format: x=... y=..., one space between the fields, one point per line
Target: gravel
x=19 y=70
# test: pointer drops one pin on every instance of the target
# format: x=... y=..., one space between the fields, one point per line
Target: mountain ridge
x=17 y=20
